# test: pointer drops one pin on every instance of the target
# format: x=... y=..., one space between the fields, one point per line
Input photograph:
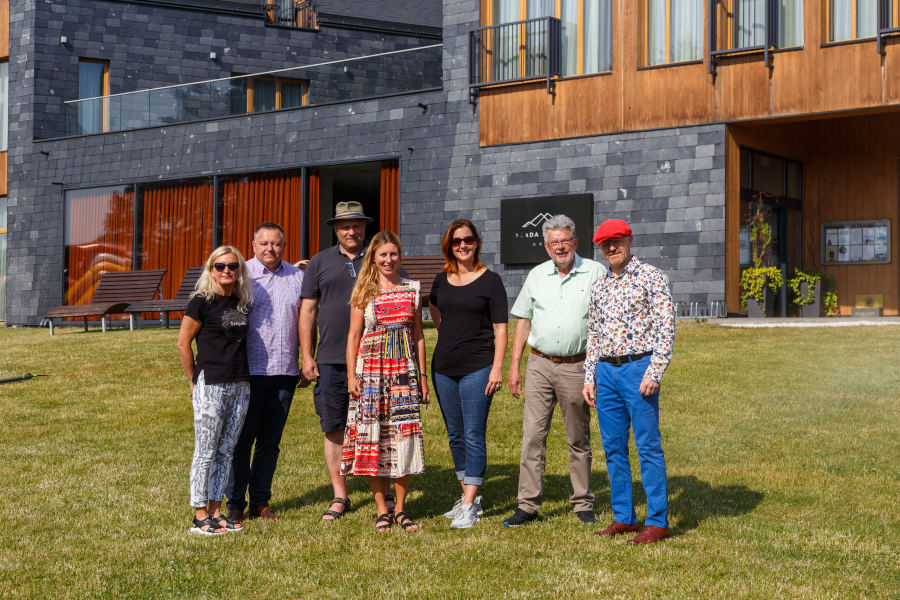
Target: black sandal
x=207 y=522
x=229 y=524
x=405 y=522
x=333 y=513
x=383 y=523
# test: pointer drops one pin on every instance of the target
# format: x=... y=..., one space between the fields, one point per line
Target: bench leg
x=51 y=326
x=102 y=323
x=167 y=319
x=130 y=321
x=85 y=325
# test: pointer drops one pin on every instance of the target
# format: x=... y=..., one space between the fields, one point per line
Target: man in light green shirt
x=553 y=310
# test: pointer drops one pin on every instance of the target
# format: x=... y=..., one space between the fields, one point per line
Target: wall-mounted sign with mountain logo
x=521 y=219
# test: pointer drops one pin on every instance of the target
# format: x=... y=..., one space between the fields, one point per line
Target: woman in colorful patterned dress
x=383 y=440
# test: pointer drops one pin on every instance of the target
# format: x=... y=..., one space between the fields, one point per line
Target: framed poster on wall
x=856 y=242
x=521 y=236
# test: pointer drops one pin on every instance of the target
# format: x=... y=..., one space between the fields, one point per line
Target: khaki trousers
x=546 y=384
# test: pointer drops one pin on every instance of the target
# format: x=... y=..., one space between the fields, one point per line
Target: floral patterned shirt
x=631 y=314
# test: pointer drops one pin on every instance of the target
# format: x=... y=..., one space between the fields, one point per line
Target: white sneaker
x=451 y=514
x=465 y=517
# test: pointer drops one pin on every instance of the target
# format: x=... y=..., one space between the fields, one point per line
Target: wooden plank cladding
x=4 y=29
x=817 y=77
x=3 y=177
x=851 y=171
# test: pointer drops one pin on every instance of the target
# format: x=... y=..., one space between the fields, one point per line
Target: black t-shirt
x=465 y=341
x=222 y=339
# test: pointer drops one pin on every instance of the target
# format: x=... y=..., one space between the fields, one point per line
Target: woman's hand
x=495 y=381
x=423 y=387
x=353 y=385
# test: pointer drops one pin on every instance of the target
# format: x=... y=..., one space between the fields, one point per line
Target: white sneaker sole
x=464 y=525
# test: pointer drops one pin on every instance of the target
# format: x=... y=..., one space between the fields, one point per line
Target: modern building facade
x=141 y=132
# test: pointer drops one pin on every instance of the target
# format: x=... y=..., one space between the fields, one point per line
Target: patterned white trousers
x=219 y=411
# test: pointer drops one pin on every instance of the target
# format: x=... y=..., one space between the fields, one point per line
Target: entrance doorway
x=772 y=185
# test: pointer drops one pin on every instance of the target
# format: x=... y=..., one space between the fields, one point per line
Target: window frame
x=487 y=12
x=644 y=16
x=854 y=20
x=104 y=105
x=250 y=90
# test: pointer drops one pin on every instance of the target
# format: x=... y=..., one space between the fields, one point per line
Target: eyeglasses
x=560 y=243
x=469 y=240
x=351 y=268
x=232 y=266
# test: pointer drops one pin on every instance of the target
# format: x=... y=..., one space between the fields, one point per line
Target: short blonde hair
x=208 y=288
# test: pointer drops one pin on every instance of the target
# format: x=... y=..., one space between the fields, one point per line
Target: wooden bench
x=164 y=307
x=116 y=290
x=423 y=269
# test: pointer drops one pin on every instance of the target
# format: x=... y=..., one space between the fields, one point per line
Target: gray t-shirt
x=329 y=278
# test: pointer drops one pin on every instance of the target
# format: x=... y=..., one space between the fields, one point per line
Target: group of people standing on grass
x=598 y=338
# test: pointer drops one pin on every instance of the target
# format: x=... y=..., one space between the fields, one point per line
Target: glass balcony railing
x=375 y=75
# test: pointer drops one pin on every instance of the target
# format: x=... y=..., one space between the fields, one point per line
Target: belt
x=560 y=359
x=618 y=361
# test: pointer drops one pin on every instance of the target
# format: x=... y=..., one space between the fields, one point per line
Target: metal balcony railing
x=300 y=14
x=513 y=52
x=372 y=76
x=730 y=34
x=888 y=24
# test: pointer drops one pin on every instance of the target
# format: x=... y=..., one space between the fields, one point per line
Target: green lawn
x=783 y=451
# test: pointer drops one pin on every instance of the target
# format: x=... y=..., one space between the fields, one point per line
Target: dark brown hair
x=451 y=265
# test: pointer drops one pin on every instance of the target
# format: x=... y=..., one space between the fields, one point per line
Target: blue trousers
x=620 y=406
x=270 y=401
x=465 y=408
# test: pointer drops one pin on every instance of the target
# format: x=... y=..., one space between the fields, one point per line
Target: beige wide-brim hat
x=345 y=211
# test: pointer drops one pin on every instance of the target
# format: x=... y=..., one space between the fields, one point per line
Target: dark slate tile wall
x=668 y=183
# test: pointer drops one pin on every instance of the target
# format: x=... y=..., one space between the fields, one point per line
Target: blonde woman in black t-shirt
x=469 y=308
x=216 y=318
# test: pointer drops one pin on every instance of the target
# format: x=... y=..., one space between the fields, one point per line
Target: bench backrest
x=187 y=283
x=128 y=286
x=423 y=269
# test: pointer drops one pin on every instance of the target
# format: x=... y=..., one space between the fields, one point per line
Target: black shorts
x=331 y=398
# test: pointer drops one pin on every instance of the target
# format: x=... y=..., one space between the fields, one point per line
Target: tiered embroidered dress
x=384 y=430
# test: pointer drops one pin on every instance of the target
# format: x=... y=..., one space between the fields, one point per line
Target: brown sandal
x=335 y=515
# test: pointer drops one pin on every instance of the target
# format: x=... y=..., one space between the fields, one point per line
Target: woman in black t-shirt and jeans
x=469 y=308
x=220 y=390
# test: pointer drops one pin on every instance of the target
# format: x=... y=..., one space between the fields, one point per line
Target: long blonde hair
x=366 y=286
x=208 y=288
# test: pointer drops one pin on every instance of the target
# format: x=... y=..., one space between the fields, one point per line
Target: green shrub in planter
x=811 y=278
x=754 y=280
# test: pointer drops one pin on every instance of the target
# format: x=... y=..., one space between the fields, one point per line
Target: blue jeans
x=620 y=405
x=465 y=408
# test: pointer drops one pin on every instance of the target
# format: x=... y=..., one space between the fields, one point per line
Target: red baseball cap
x=611 y=228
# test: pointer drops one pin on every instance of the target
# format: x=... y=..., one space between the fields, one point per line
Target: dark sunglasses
x=469 y=240
x=233 y=266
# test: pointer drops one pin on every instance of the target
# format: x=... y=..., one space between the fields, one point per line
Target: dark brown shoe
x=263 y=512
x=649 y=535
x=236 y=515
x=617 y=528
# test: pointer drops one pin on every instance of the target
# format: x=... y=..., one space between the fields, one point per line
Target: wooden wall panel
x=4 y=29
x=851 y=171
x=806 y=81
x=3 y=174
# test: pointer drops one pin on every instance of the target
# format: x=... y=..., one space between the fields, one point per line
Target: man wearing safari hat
x=631 y=332
x=327 y=285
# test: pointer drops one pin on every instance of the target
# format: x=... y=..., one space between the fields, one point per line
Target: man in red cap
x=631 y=331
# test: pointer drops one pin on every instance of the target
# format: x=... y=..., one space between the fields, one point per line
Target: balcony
x=515 y=52
x=373 y=76
x=298 y=14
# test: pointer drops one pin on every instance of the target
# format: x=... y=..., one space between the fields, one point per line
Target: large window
x=93 y=82
x=674 y=31
x=98 y=238
x=4 y=105
x=3 y=259
x=852 y=19
x=742 y=23
x=586 y=43
x=253 y=199
x=264 y=93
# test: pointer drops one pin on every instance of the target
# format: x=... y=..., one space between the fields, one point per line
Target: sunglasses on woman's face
x=469 y=240
x=233 y=266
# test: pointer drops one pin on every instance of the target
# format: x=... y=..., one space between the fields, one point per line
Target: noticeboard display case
x=856 y=242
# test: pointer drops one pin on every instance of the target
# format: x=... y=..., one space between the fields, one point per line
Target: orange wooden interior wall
x=850 y=172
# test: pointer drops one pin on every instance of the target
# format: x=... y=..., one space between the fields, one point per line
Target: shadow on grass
x=440 y=489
